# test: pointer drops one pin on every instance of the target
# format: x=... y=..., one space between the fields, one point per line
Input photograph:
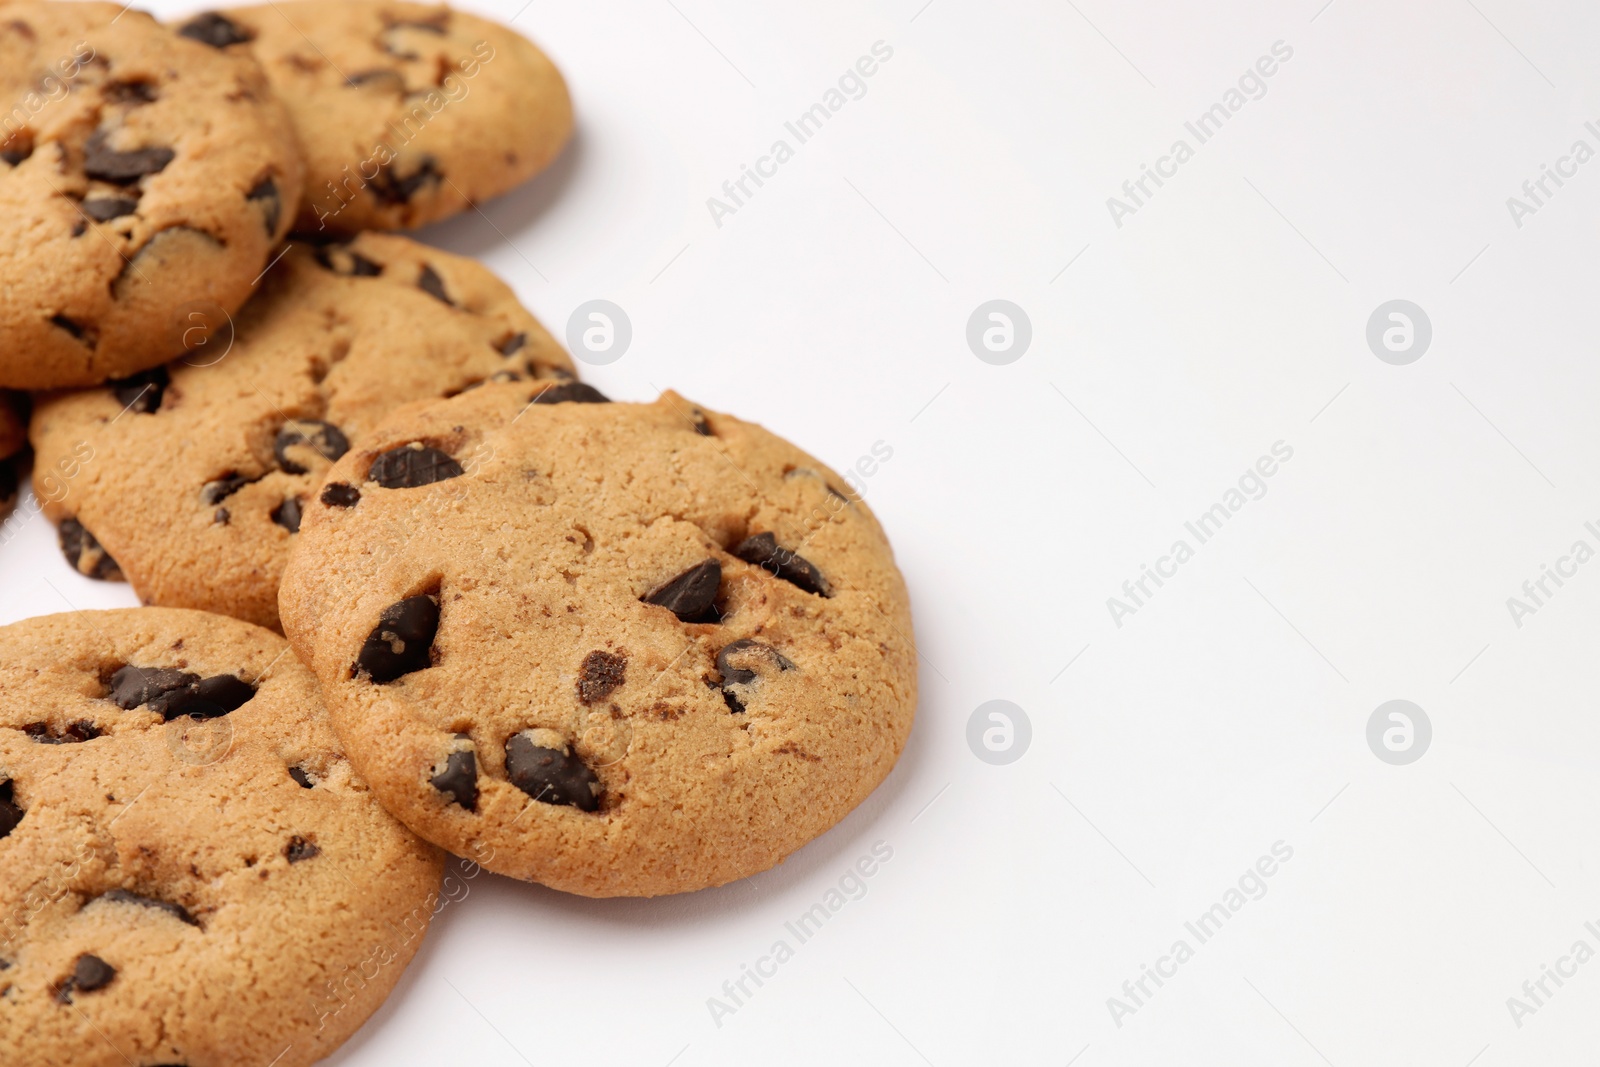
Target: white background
x=1229 y=713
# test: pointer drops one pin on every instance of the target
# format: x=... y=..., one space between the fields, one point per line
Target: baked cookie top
x=141 y=173
x=190 y=870
x=194 y=476
x=409 y=113
x=619 y=649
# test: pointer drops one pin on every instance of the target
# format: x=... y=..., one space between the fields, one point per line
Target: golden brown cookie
x=200 y=470
x=409 y=113
x=619 y=649
x=141 y=174
x=193 y=873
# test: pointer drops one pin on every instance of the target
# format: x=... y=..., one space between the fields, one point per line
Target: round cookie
x=197 y=473
x=13 y=443
x=193 y=873
x=141 y=174
x=619 y=649
x=409 y=113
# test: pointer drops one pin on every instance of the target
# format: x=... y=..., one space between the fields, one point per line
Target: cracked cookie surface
x=192 y=871
x=409 y=113
x=199 y=472
x=141 y=173
x=619 y=649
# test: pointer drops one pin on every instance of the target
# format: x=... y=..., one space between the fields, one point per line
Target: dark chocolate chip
x=764 y=551
x=106 y=208
x=701 y=426
x=84 y=553
x=302 y=779
x=430 y=283
x=287 y=514
x=601 y=673
x=219 y=489
x=730 y=698
x=109 y=165
x=690 y=595
x=550 y=775
x=732 y=675
x=72 y=734
x=141 y=393
x=89 y=973
x=130 y=93
x=341 y=260
x=133 y=687
x=15 y=153
x=323 y=438
x=80 y=226
x=172 y=693
x=512 y=345
x=177 y=911
x=569 y=392
x=459 y=779
x=10 y=813
x=300 y=849
x=10 y=479
x=221 y=517
x=266 y=191
x=213 y=697
x=412 y=466
x=88 y=336
x=390 y=189
x=402 y=641
x=340 y=495
x=216 y=30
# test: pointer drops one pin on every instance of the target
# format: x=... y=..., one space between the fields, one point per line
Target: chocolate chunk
x=215 y=30
x=86 y=335
x=390 y=189
x=732 y=675
x=764 y=551
x=142 y=393
x=80 y=227
x=430 y=283
x=173 y=693
x=133 y=687
x=302 y=779
x=601 y=673
x=512 y=345
x=106 y=208
x=551 y=776
x=690 y=595
x=222 y=516
x=701 y=426
x=130 y=93
x=402 y=641
x=73 y=733
x=340 y=495
x=89 y=973
x=322 y=438
x=412 y=466
x=18 y=147
x=122 y=896
x=266 y=191
x=300 y=849
x=569 y=392
x=287 y=514
x=341 y=260
x=84 y=553
x=217 y=490
x=109 y=165
x=459 y=779
x=10 y=813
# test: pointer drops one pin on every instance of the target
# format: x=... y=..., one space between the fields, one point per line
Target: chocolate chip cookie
x=619 y=649
x=193 y=872
x=13 y=443
x=202 y=469
x=141 y=173
x=409 y=113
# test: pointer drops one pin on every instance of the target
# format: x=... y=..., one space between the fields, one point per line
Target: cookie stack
x=617 y=649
